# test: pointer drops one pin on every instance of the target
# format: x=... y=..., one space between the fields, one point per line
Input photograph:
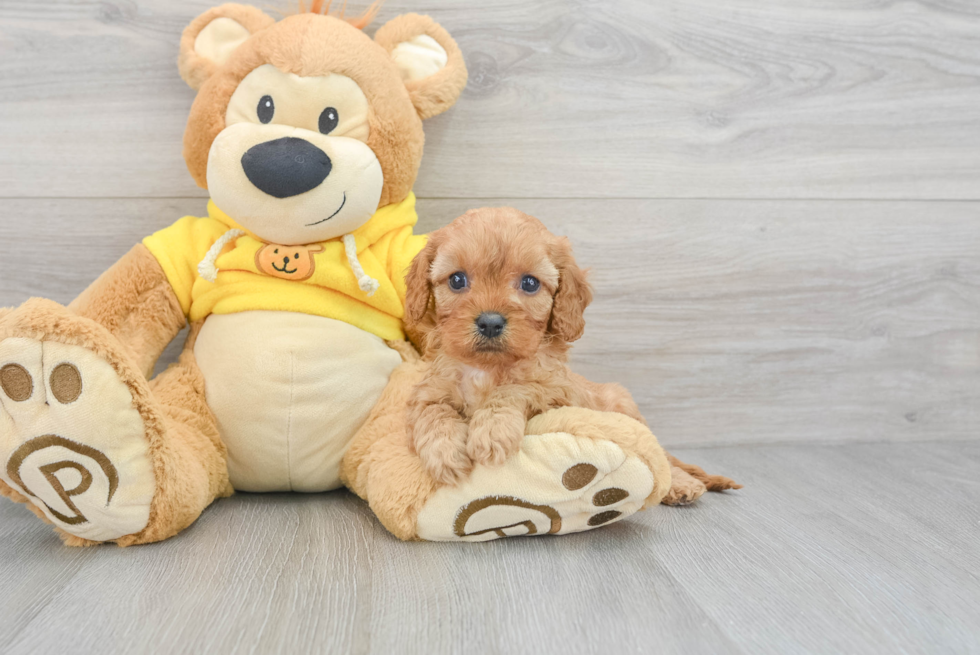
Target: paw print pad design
x=557 y=484
x=71 y=440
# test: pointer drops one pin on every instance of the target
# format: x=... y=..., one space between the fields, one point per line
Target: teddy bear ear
x=210 y=39
x=428 y=59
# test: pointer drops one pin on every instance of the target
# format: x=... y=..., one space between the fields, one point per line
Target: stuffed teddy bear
x=308 y=136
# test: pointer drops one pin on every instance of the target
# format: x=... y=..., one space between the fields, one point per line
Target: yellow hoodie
x=316 y=279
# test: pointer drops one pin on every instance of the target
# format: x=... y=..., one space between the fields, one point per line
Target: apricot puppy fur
x=495 y=300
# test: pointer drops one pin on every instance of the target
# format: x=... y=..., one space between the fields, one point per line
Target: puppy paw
x=684 y=488
x=443 y=452
x=494 y=436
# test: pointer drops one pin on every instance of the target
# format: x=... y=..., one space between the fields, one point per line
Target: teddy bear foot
x=558 y=483
x=71 y=441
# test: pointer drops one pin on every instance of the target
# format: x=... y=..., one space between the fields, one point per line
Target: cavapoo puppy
x=494 y=300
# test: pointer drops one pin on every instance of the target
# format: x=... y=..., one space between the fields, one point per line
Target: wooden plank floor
x=857 y=548
x=780 y=203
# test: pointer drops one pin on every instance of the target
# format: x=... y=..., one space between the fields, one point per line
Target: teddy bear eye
x=328 y=120
x=458 y=281
x=530 y=284
x=266 y=109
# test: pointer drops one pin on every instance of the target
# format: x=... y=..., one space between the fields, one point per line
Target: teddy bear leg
x=379 y=465
x=89 y=444
x=577 y=469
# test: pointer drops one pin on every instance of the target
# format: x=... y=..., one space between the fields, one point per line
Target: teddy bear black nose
x=490 y=324
x=286 y=167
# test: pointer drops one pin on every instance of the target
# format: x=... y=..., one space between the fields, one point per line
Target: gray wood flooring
x=851 y=548
x=780 y=202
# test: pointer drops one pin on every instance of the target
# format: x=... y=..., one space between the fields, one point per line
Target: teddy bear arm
x=136 y=303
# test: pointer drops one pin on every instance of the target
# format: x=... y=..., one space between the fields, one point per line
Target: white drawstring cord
x=367 y=283
x=206 y=269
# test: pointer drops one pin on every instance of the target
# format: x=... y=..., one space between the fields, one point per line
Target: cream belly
x=289 y=391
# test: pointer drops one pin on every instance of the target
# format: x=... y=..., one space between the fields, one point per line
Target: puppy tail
x=712 y=482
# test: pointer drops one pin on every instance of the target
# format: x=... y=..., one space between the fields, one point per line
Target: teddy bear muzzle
x=286 y=167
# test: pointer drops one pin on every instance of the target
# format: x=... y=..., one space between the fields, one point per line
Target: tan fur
x=194 y=69
x=436 y=94
x=472 y=404
x=312 y=44
x=711 y=482
x=130 y=313
x=379 y=465
x=684 y=488
x=188 y=458
x=477 y=396
x=381 y=468
x=134 y=301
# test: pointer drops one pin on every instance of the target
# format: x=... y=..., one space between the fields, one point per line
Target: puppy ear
x=210 y=39
x=418 y=294
x=429 y=60
x=573 y=296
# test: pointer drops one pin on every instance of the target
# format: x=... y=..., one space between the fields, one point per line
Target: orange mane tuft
x=323 y=7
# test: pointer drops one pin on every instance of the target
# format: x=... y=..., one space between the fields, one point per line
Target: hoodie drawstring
x=367 y=283
x=206 y=269
x=209 y=271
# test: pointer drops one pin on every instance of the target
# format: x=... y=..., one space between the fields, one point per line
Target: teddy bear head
x=303 y=128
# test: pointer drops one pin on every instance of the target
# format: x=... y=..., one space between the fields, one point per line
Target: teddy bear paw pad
x=71 y=440
x=556 y=484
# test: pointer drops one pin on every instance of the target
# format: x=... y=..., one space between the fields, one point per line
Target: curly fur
x=473 y=402
x=477 y=395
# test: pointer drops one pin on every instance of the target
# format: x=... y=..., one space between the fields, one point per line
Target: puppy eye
x=458 y=281
x=266 y=109
x=530 y=284
x=328 y=120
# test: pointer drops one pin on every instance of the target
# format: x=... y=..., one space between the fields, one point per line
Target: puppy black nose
x=286 y=167
x=490 y=324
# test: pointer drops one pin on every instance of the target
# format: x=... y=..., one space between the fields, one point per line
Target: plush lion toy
x=308 y=136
